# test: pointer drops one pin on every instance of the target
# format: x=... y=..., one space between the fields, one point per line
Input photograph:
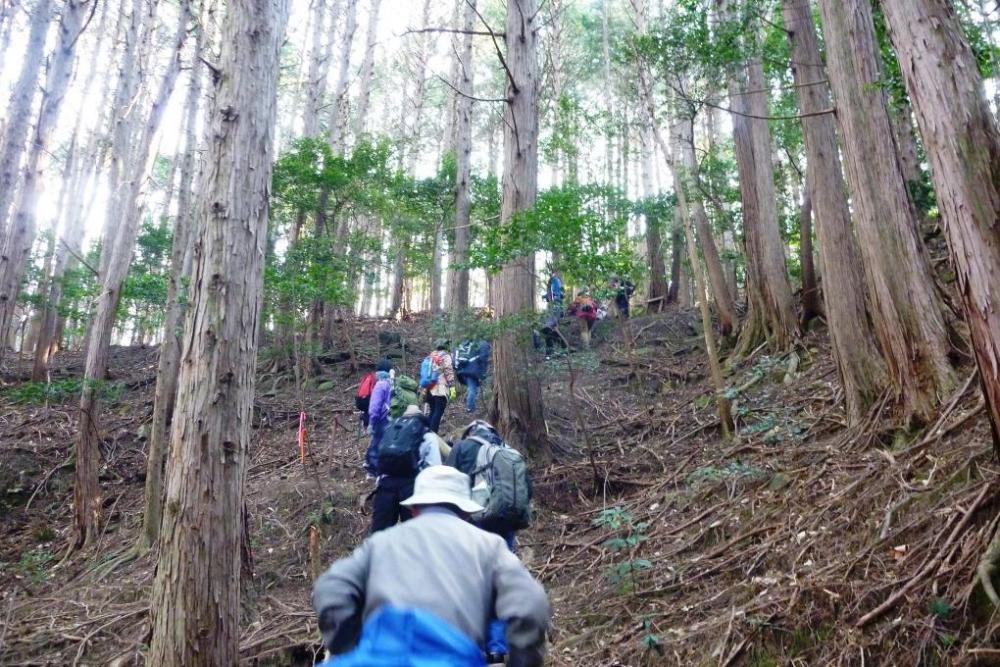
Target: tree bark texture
x=118 y=249
x=458 y=289
x=518 y=410
x=862 y=372
x=170 y=348
x=810 y=301
x=658 y=288
x=319 y=67
x=963 y=145
x=907 y=312
x=19 y=111
x=338 y=108
x=196 y=593
x=767 y=274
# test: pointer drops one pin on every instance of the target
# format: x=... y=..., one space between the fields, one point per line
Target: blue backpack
x=429 y=372
x=410 y=638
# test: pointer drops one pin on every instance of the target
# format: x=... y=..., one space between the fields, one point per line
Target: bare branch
x=454 y=31
x=496 y=45
x=470 y=97
x=78 y=257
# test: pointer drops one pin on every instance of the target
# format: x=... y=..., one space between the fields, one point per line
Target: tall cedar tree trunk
x=683 y=140
x=401 y=244
x=518 y=411
x=19 y=234
x=458 y=289
x=676 y=256
x=907 y=311
x=170 y=349
x=367 y=72
x=861 y=370
x=658 y=288
x=901 y=115
x=963 y=145
x=79 y=163
x=811 y=308
x=196 y=593
x=772 y=309
x=119 y=249
x=19 y=114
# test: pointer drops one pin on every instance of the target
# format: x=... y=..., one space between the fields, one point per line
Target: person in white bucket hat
x=426 y=588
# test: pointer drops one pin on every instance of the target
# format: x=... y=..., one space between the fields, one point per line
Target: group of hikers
x=437 y=583
x=446 y=587
x=585 y=307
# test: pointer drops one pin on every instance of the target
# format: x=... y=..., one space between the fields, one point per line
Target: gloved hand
x=452 y=393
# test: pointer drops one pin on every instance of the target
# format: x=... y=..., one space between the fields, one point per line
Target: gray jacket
x=444 y=565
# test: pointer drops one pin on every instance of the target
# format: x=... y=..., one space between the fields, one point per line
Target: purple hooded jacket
x=378 y=407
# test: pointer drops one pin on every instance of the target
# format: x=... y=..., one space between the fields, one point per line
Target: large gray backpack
x=501 y=484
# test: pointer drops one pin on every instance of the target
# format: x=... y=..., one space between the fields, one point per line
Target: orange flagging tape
x=302 y=437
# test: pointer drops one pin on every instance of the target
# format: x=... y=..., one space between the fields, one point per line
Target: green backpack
x=405 y=392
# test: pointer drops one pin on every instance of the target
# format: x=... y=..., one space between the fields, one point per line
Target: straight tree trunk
x=338 y=108
x=810 y=301
x=518 y=411
x=458 y=289
x=195 y=600
x=683 y=140
x=320 y=53
x=119 y=248
x=658 y=288
x=767 y=274
x=19 y=113
x=367 y=72
x=862 y=372
x=437 y=274
x=908 y=313
x=901 y=116
x=676 y=256
x=170 y=349
x=963 y=145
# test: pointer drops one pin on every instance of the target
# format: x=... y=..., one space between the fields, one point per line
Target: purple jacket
x=378 y=407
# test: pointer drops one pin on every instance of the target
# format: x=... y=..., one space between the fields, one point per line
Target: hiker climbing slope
x=584 y=308
x=472 y=363
x=378 y=413
x=425 y=589
x=437 y=378
x=408 y=447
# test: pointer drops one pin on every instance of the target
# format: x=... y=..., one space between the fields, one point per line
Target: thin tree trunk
x=170 y=349
x=907 y=312
x=367 y=72
x=658 y=288
x=319 y=66
x=963 y=145
x=19 y=115
x=437 y=274
x=811 y=308
x=518 y=410
x=677 y=254
x=862 y=373
x=195 y=601
x=901 y=117
x=683 y=139
x=338 y=108
x=458 y=289
x=119 y=248
x=767 y=275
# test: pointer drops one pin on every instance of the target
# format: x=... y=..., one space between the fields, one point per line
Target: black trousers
x=386 y=510
x=438 y=404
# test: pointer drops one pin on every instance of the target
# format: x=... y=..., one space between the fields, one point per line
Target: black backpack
x=399 y=451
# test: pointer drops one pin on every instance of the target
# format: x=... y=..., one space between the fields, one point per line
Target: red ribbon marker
x=302 y=437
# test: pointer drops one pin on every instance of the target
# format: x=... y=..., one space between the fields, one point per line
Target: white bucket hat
x=443 y=485
x=412 y=411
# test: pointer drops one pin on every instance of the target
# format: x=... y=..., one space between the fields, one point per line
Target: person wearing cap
x=394 y=484
x=400 y=596
x=446 y=385
x=378 y=413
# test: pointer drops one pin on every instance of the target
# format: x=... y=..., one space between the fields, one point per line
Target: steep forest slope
x=798 y=542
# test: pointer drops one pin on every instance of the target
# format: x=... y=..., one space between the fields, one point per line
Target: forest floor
x=800 y=542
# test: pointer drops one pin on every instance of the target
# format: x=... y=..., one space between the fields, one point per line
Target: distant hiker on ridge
x=584 y=308
x=421 y=592
x=437 y=378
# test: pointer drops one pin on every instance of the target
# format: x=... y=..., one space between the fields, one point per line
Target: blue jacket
x=477 y=367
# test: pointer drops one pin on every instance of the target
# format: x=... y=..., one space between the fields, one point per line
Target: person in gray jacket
x=437 y=566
